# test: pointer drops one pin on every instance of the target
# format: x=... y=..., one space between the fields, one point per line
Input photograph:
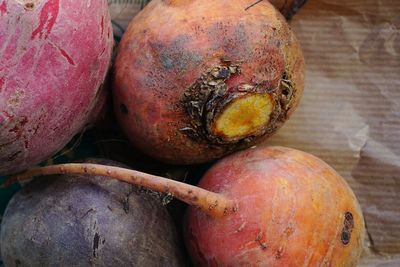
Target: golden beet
x=195 y=80
x=293 y=210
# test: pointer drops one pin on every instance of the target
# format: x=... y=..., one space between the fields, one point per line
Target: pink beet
x=54 y=56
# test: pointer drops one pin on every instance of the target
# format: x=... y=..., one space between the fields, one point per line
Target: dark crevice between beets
x=124 y=109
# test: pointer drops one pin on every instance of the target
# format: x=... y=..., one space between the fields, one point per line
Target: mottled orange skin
x=290 y=213
x=170 y=44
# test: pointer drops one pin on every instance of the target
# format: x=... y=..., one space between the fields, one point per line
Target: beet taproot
x=54 y=56
x=266 y=206
x=75 y=220
x=195 y=80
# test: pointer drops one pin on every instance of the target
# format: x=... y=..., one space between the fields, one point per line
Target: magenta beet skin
x=54 y=55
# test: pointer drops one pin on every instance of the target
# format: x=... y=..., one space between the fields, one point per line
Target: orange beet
x=293 y=210
x=267 y=206
x=195 y=80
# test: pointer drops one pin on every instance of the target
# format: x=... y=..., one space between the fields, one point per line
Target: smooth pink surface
x=53 y=59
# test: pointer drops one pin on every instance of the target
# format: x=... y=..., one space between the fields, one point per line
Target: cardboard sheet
x=350 y=112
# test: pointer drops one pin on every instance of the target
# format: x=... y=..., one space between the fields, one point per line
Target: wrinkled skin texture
x=293 y=210
x=81 y=221
x=171 y=44
x=53 y=59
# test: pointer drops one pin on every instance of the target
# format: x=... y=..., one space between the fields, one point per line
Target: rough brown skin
x=267 y=206
x=181 y=63
x=75 y=220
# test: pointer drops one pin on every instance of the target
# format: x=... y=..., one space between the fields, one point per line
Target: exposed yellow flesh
x=244 y=116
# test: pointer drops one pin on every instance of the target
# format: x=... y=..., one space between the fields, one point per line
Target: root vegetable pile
x=195 y=80
x=267 y=206
x=54 y=57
